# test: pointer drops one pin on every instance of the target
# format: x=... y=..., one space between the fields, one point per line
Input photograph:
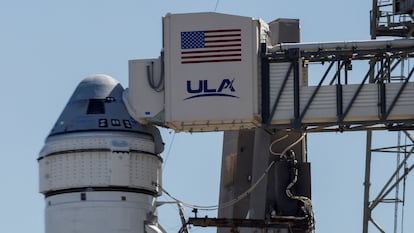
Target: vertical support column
x=374 y=19
x=265 y=83
x=246 y=153
x=236 y=172
x=261 y=160
x=245 y=159
x=367 y=183
x=294 y=55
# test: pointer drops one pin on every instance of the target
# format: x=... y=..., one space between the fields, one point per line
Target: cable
x=158 y=87
x=207 y=208
x=287 y=148
x=215 y=8
x=226 y=204
x=248 y=191
x=276 y=141
x=307 y=202
x=245 y=193
x=168 y=151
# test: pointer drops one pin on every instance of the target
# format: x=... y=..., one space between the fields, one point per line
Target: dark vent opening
x=96 y=106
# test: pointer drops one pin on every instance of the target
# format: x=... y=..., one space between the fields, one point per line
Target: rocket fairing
x=100 y=170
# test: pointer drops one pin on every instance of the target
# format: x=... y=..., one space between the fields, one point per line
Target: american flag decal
x=211 y=46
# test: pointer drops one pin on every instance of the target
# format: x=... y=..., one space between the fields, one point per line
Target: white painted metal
x=405 y=106
x=114 y=141
x=285 y=106
x=143 y=102
x=99 y=160
x=216 y=90
x=182 y=112
x=323 y=107
x=100 y=212
x=85 y=162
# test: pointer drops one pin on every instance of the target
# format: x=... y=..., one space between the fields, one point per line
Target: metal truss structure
x=392 y=18
x=338 y=67
x=396 y=181
x=383 y=65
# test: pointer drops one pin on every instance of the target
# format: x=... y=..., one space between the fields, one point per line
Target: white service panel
x=145 y=96
x=211 y=71
x=99 y=212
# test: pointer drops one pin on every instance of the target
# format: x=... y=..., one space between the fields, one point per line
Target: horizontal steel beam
x=343 y=45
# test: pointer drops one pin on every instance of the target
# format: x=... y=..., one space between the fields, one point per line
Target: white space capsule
x=100 y=170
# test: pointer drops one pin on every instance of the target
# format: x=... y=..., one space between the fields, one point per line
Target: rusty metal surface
x=296 y=224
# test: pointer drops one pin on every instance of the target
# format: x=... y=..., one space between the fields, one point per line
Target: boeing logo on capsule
x=203 y=89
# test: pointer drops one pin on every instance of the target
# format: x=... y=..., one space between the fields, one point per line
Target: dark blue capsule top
x=97 y=105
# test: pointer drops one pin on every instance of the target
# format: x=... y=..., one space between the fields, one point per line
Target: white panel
x=99 y=212
x=145 y=171
x=142 y=145
x=100 y=169
x=119 y=169
x=99 y=160
x=77 y=141
x=200 y=93
x=72 y=170
x=110 y=141
x=277 y=73
x=323 y=106
x=365 y=106
x=143 y=102
x=404 y=109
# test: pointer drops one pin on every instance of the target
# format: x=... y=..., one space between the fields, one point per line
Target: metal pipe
x=343 y=45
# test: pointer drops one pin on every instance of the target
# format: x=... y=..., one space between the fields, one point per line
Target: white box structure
x=210 y=76
x=145 y=96
x=210 y=70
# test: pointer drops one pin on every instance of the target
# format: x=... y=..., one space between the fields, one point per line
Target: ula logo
x=202 y=89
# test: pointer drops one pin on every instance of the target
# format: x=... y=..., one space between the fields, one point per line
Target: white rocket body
x=100 y=170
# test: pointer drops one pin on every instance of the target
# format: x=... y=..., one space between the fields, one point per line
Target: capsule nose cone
x=97 y=105
x=97 y=86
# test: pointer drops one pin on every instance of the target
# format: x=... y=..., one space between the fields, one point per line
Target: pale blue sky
x=47 y=47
